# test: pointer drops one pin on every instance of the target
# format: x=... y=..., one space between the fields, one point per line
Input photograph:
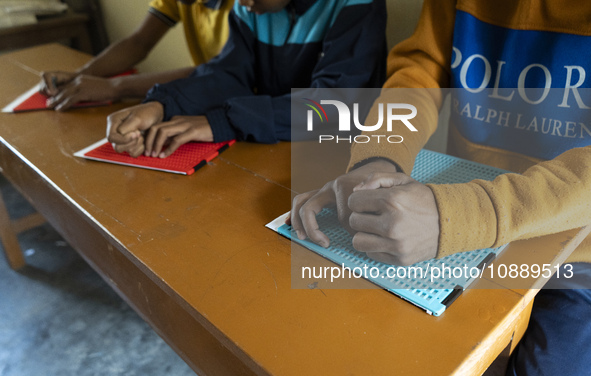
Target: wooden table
x=192 y=256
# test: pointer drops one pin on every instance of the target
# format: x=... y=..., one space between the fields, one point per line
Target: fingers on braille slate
x=433 y=295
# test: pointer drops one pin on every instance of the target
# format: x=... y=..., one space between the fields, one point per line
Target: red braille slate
x=187 y=159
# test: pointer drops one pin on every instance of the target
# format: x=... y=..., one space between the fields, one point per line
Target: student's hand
x=51 y=81
x=164 y=138
x=125 y=128
x=395 y=219
x=83 y=88
x=306 y=206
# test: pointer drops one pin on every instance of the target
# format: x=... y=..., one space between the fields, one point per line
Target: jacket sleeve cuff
x=170 y=108
x=220 y=126
x=467 y=218
x=373 y=159
x=404 y=160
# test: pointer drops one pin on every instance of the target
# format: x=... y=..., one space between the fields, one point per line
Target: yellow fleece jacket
x=552 y=193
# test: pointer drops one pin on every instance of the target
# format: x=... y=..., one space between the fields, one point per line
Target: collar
x=301 y=6
x=213 y=4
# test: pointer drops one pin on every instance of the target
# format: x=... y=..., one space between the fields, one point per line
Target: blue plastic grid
x=433 y=295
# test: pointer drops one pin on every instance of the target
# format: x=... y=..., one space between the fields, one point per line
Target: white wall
x=402 y=19
x=123 y=17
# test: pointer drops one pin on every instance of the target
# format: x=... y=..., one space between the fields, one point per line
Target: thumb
x=48 y=84
x=117 y=125
x=383 y=180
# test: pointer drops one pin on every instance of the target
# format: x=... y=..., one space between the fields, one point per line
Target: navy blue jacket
x=245 y=91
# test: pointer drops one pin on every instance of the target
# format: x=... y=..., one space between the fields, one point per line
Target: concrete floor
x=58 y=317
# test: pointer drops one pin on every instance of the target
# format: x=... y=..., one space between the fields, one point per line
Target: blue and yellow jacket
x=245 y=91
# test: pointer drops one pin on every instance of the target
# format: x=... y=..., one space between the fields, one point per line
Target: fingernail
x=301 y=235
x=324 y=244
x=154 y=154
x=162 y=155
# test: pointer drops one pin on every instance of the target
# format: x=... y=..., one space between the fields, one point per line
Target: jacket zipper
x=292 y=21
